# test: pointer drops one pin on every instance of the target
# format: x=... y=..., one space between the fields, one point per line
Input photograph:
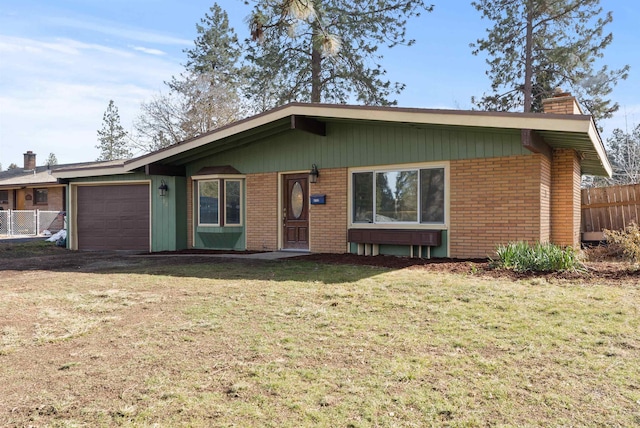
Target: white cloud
x=53 y=94
x=148 y=50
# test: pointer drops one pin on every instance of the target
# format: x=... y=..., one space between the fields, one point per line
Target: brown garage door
x=113 y=217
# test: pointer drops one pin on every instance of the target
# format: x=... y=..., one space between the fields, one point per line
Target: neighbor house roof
x=573 y=131
x=40 y=176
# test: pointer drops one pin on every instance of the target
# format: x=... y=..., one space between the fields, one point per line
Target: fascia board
x=89 y=172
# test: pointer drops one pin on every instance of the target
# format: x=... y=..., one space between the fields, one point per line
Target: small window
x=4 y=196
x=40 y=196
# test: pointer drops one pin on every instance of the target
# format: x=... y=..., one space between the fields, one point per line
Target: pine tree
x=112 y=137
x=217 y=50
x=203 y=98
x=321 y=50
x=536 y=46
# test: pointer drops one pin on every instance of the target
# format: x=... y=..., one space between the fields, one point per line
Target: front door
x=295 y=215
x=20 y=195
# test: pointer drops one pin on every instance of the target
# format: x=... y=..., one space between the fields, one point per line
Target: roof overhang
x=559 y=131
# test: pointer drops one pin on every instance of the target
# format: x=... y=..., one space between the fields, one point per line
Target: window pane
x=41 y=196
x=232 y=202
x=432 y=195
x=208 y=198
x=363 y=197
x=397 y=196
x=4 y=196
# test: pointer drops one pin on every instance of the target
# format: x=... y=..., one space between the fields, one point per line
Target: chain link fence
x=4 y=222
x=30 y=222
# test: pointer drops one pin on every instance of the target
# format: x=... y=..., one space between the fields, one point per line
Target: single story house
x=31 y=187
x=340 y=178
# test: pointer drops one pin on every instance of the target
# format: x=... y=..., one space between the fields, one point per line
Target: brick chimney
x=561 y=103
x=29 y=160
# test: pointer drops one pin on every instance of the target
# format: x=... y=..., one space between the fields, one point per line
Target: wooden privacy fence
x=612 y=208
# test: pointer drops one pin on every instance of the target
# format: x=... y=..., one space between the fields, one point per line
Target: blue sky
x=61 y=61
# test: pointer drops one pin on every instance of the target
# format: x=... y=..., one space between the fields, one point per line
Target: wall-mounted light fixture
x=314 y=173
x=162 y=190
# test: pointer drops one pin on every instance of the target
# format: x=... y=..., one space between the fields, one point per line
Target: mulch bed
x=481 y=267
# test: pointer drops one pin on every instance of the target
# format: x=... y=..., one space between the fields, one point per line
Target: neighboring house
x=31 y=187
x=416 y=182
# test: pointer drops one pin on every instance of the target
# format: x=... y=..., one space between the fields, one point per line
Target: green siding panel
x=349 y=144
x=220 y=238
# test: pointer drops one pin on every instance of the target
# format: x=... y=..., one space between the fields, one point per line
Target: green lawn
x=203 y=342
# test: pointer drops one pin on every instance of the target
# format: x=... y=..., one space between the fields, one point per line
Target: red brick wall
x=328 y=223
x=496 y=200
x=565 y=198
x=262 y=212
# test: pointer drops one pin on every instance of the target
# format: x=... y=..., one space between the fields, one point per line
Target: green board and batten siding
x=168 y=213
x=353 y=145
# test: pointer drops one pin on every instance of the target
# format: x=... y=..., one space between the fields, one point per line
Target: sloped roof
x=42 y=175
x=558 y=130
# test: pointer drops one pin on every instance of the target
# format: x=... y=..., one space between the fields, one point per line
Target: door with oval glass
x=295 y=215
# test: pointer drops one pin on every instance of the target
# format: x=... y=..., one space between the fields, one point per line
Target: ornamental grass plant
x=539 y=257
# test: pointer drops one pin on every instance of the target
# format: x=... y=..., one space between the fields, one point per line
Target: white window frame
x=222 y=187
x=399 y=168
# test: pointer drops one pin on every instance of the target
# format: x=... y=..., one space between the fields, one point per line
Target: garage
x=113 y=217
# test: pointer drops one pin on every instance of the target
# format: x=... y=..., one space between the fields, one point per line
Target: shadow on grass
x=46 y=256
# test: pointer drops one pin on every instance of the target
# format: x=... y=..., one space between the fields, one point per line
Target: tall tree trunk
x=528 y=59
x=316 y=66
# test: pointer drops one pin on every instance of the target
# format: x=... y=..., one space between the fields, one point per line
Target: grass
x=28 y=249
x=289 y=344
